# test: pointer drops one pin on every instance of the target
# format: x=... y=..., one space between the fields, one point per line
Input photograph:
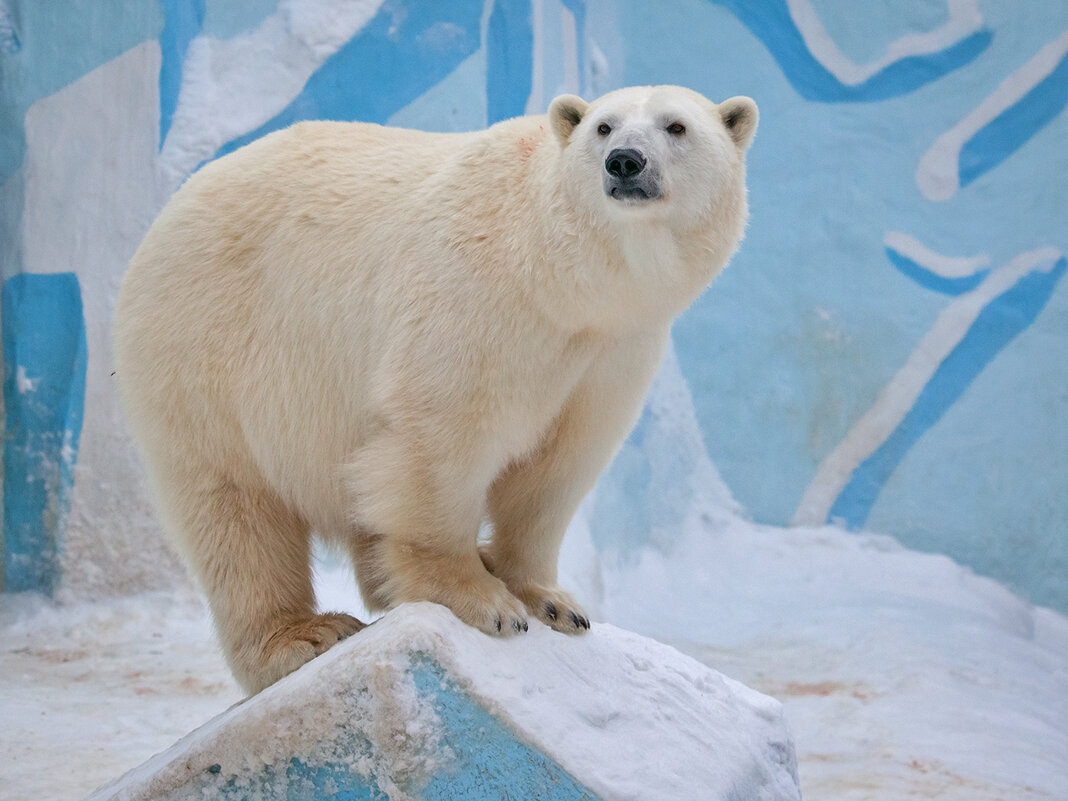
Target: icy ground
x=903 y=675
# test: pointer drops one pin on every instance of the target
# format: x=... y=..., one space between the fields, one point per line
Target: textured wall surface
x=887 y=351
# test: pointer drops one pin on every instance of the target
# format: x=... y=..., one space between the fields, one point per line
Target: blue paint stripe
x=331 y=780
x=770 y=22
x=406 y=49
x=44 y=395
x=487 y=761
x=931 y=280
x=490 y=762
x=1007 y=133
x=509 y=59
x=9 y=37
x=50 y=45
x=578 y=11
x=997 y=324
x=183 y=20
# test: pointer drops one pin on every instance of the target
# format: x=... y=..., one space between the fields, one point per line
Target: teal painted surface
x=1011 y=129
x=226 y=20
x=486 y=761
x=931 y=280
x=456 y=104
x=509 y=59
x=490 y=764
x=60 y=42
x=403 y=51
x=996 y=326
x=771 y=22
x=295 y=779
x=862 y=29
x=183 y=20
x=44 y=395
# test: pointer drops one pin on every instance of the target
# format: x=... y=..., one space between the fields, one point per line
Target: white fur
x=389 y=336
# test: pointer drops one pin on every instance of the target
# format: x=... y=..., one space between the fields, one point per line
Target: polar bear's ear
x=739 y=115
x=565 y=112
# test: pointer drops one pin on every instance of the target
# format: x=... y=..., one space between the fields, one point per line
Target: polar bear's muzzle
x=628 y=177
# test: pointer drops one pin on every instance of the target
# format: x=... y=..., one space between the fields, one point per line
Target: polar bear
x=390 y=337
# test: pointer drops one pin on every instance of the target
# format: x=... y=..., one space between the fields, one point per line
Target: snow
x=592 y=704
x=903 y=675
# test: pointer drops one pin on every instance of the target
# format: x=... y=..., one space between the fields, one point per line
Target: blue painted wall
x=44 y=394
x=811 y=327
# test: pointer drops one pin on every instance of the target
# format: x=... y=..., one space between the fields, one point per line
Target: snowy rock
x=419 y=706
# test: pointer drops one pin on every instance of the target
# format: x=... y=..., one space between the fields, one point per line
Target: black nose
x=624 y=163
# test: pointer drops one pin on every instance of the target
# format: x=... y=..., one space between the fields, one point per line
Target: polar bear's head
x=654 y=151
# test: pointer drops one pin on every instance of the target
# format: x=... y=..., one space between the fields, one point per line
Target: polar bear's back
x=310 y=176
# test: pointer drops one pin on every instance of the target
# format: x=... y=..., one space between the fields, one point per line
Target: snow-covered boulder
x=419 y=706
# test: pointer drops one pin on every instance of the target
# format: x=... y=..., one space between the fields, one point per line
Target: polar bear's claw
x=580 y=621
x=554 y=607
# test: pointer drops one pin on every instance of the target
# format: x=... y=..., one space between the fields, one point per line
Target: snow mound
x=420 y=706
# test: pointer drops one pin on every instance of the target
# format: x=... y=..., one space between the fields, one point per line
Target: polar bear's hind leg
x=251 y=556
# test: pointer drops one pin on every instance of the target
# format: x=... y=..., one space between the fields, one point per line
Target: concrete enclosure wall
x=887 y=351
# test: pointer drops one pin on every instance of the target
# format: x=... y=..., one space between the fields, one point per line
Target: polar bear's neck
x=614 y=276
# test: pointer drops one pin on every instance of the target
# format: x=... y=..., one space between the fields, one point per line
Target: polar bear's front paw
x=555 y=608
x=458 y=581
x=500 y=614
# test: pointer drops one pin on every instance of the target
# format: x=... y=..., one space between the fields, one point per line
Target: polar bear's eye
x=604 y=129
x=676 y=129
